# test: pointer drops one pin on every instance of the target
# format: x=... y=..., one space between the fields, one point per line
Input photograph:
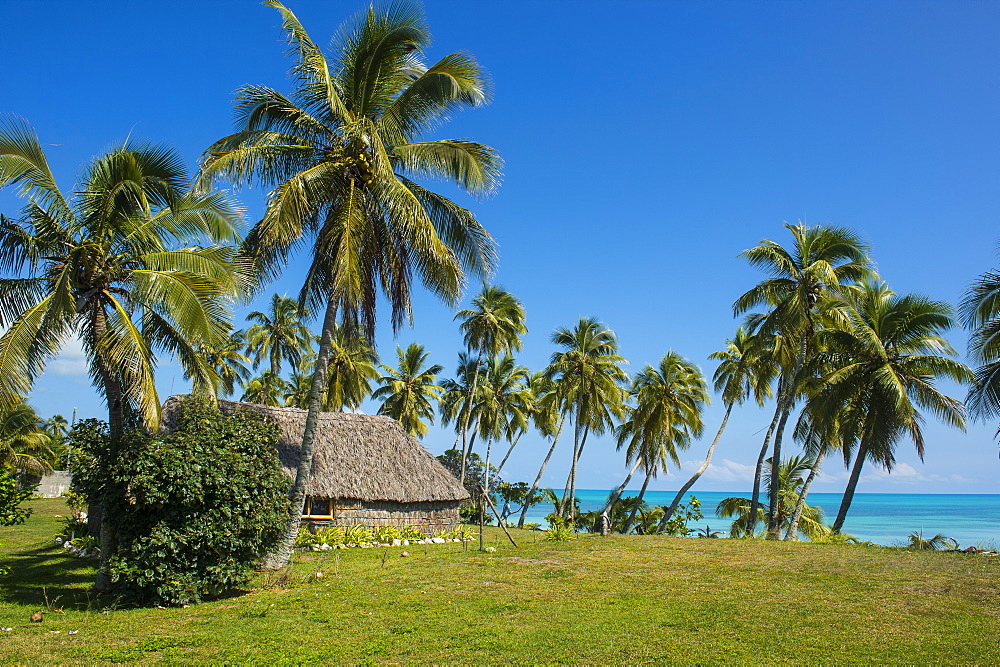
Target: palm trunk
x=538 y=477
x=572 y=468
x=793 y=527
x=698 y=473
x=572 y=491
x=773 y=520
x=467 y=414
x=618 y=492
x=852 y=484
x=509 y=450
x=638 y=502
x=755 y=496
x=279 y=557
x=105 y=526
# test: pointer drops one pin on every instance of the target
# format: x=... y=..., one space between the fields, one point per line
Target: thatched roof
x=364 y=457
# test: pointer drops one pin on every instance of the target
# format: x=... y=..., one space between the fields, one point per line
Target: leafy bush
x=677 y=524
x=559 y=530
x=11 y=496
x=357 y=535
x=194 y=510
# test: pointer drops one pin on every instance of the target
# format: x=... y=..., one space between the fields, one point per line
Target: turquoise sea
x=883 y=518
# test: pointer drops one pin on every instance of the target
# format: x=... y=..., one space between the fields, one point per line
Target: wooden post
x=499 y=520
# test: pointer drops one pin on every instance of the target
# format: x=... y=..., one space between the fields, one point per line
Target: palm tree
x=229 y=364
x=535 y=383
x=296 y=391
x=111 y=267
x=339 y=155
x=666 y=414
x=457 y=397
x=493 y=326
x=279 y=335
x=789 y=485
x=884 y=372
x=502 y=411
x=820 y=260
x=114 y=267
x=743 y=371
x=351 y=370
x=548 y=422
x=588 y=376
x=266 y=389
x=409 y=389
x=24 y=445
x=980 y=311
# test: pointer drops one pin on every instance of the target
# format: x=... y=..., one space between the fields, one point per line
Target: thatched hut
x=366 y=470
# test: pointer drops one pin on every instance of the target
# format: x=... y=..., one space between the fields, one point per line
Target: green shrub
x=193 y=510
x=677 y=524
x=559 y=530
x=11 y=496
x=357 y=535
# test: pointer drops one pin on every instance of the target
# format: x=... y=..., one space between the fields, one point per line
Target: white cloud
x=70 y=361
x=727 y=471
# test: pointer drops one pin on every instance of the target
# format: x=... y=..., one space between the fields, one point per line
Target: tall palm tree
x=229 y=363
x=743 y=371
x=980 y=312
x=266 y=389
x=666 y=415
x=534 y=384
x=340 y=154
x=493 y=326
x=279 y=334
x=457 y=398
x=820 y=259
x=115 y=266
x=885 y=368
x=789 y=484
x=503 y=409
x=111 y=265
x=351 y=370
x=548 y=421
x=588 y=376
x=407 y=390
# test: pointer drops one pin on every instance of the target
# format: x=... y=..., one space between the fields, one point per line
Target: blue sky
x=646 y=145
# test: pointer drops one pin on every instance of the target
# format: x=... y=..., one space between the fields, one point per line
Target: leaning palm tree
x=789 y=485
x=279 y=334
x=340 y=154
x=548 y=421
x=820 y=260
x=493 y=326
x=666 y=415
x=408 y=389
x=588 y=376
x=744 y=370
x=115 y=266
x=885 y=368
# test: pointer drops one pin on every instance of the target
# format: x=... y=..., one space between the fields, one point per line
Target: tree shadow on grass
x=48 y=576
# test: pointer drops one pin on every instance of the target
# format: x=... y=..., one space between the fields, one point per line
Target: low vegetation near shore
x=589 y=599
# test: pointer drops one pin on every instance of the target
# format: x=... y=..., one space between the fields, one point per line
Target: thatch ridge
x=365 y=457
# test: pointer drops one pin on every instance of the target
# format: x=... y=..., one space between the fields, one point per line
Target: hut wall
x=428 y=517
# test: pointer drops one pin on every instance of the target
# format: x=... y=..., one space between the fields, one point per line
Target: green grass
x=592 y=600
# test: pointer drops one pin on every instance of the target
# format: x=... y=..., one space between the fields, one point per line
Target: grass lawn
x=592 y=600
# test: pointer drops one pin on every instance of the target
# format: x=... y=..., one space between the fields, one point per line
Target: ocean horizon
x=883 y=518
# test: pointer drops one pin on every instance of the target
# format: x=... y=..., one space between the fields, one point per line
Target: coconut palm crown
x=115 y=266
